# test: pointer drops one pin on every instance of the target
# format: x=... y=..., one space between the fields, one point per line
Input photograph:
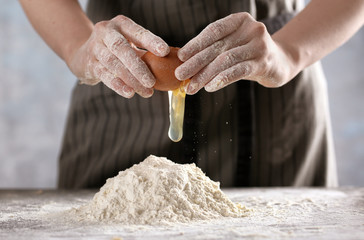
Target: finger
x=212 y=33
x=114 y=66
x=223 y=62
x=197 y=62
x=121 y=48
x=120 y=87
x=140 y=36
x=237 y=72
x=193 y=65
x=112 y=82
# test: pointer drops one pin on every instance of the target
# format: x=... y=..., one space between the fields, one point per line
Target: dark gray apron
x=242 y=135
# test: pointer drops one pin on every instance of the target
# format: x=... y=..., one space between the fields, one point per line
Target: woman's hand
x=111 y=56
x=233 y=48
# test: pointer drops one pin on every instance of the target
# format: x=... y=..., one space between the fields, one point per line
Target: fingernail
x=181 y=55
x=215 y=84
x=128 y=91
x=182 y=72
x=191 y=87
x=162 y=49
x=209 y=88
x=148 y=93
x=151 y=92
x=117 y=83
x=179 y=73
x=147 y=81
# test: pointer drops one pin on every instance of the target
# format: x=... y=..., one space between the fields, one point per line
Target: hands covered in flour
x=111 y=56
x=233 y=48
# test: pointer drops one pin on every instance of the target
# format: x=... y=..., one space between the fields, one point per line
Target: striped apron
x=242 y=135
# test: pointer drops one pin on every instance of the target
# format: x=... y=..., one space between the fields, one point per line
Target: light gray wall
x=344 y=70
x=35 y=87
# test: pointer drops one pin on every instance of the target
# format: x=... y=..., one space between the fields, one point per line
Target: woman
x=270 y=129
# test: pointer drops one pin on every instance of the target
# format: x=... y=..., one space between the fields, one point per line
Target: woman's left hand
x=234 y=48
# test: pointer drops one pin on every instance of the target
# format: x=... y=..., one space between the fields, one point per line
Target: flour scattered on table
x=158 y=191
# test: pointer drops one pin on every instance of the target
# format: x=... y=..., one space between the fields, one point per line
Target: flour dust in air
x=159 y=191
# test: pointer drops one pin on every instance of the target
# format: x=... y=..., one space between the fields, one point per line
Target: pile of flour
x=158 y=191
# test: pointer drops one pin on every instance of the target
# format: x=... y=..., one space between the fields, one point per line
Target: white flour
x=159 y=191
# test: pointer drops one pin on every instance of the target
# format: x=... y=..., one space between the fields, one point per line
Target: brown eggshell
x=163 y=69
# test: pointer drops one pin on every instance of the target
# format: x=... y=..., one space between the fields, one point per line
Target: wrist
x=292 y=58
x=71 y=48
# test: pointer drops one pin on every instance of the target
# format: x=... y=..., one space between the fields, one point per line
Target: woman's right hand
x=112 y=55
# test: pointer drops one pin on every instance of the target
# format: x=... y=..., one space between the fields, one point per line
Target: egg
x=163 y=69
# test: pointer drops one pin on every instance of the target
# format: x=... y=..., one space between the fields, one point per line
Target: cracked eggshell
x=163 y=69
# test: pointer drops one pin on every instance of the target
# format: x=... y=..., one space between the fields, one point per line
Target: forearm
x=320 y=28
x=61 y=23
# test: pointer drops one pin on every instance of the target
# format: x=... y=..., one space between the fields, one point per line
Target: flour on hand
x=158 y=191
